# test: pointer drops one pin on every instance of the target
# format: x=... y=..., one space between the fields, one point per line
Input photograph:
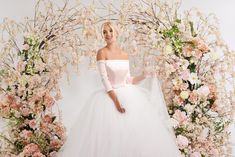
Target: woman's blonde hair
x=111 y=25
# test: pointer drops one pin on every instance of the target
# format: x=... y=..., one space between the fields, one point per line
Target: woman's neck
x=112 y=46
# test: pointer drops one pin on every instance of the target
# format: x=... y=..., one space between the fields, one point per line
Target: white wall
x=225 y=11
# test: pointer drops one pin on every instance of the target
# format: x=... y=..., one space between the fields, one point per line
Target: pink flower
x=177 y=100
x=195 y=154
x=26 y=134
x=20 y=66
x=193 y=97
x=183 y=86
x=180 y=116
x=26 y=47
x=56 y=144
x=200 y=44
x=4 y=109
x=53 y=154
x=25 y=111
x=203 y=90
x=214 y=152
x=47 y=119
x=38 y=154
x=49 y=101
x=45 y=127
x=31 y=149
x=185 y=74
x=187 y=51
x=182 y=141
x=197 y=54
x=32 y=123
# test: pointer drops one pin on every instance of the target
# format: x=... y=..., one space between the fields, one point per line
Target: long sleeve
x=104 y=75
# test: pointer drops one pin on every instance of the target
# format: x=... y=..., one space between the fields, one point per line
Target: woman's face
x=109 y=34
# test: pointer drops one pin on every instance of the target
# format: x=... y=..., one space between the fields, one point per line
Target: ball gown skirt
x=101 y=131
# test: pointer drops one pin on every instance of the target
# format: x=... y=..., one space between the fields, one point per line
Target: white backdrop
x=17 y=10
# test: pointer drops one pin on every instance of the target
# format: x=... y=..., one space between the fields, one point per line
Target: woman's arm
x=137 y=79
x=108 y=87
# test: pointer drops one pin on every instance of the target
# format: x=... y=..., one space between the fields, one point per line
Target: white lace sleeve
x=104 y=75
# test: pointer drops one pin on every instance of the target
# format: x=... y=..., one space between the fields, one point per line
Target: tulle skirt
x=101 y=131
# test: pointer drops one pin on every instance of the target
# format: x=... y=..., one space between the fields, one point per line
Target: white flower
x=204 y=133
x=184 y=95
x=203 y=90
x=189 y=108
x=168 y=49
x=174 y=122
x=193 y=78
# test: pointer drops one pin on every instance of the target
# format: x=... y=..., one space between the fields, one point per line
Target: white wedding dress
x=101 y=131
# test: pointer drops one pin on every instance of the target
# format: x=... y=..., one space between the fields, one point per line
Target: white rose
x=168 y=49
x=184 y=95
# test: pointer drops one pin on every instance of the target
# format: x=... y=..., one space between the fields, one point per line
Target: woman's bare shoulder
x=125 y=54
x=101 y=54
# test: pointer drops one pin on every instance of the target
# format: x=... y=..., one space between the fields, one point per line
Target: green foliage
x=173 y=35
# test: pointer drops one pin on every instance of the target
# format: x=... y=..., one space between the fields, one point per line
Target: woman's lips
x=108 y=38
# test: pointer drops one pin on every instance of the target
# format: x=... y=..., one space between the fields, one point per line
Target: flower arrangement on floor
x=186 y=50
x=197 y=70
x=34 y=55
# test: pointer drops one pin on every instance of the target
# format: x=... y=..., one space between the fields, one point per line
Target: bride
x=122 y=119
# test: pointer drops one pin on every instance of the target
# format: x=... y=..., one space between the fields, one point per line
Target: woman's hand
x=116 y=102
x=120 y=108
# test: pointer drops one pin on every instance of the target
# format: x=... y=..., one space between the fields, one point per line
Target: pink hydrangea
x=203 y=90
x=30 y=149
x=26 y=134
x=195 y=154
x=180 y=116
x=182 y=141
x=214 y=152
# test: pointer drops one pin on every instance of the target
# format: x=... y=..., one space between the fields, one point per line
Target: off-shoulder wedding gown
x=101 y=131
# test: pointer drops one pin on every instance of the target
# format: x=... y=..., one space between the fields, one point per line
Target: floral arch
x=185 y=50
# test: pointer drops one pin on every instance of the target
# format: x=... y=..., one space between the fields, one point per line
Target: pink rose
x=214 y=152
x=203 y=90
x=32 y=123
x=26 y=134
x=26 y=47
x=187 y=51
x=47 y=119
x=185 y=74
x=45 y=127
x=53 y=154
x=200 y=44
x=31 y=149
x=197 y=54
x=38 y=154
x=195 y=154
x=182 y=141
x=56 y=144
x=49 y=101
x=193 y=97
x=20 y=66
x=25 y=111
x=177 y=100
x=180 y=116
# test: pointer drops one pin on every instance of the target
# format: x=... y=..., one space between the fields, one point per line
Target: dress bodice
x=118 y=72
x=114 y=73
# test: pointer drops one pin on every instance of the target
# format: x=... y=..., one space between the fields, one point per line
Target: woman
x=122 y=120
